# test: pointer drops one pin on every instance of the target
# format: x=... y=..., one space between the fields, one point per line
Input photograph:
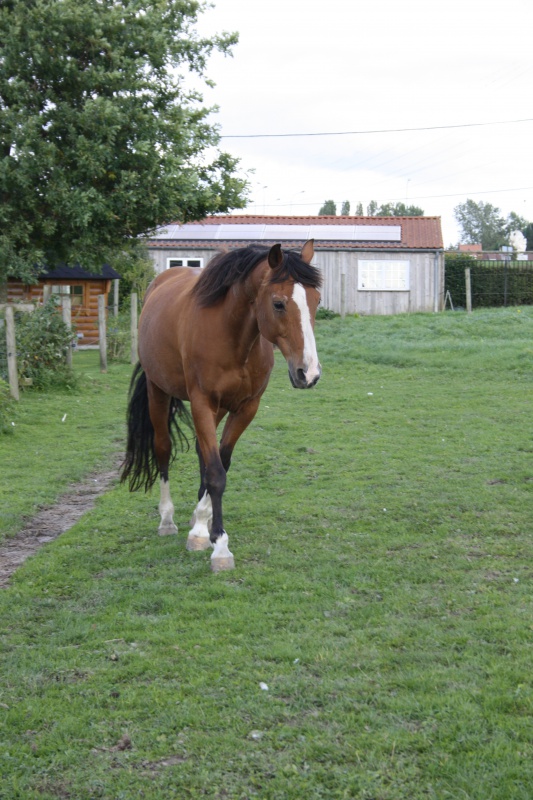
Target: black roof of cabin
x=62 y=273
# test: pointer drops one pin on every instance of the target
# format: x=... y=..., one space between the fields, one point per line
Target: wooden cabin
x=84 y=288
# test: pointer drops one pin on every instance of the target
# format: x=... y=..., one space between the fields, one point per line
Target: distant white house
x=370 y=265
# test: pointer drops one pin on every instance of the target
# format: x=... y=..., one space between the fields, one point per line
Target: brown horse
x=207 y=336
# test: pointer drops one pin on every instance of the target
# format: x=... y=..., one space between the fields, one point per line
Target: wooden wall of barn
x=334 y=263
x=419 y=297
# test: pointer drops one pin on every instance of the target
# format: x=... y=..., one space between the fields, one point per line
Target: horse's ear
x=275 y=256
x=308 y=251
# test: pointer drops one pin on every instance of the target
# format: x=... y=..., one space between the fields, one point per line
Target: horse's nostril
x=300 y=374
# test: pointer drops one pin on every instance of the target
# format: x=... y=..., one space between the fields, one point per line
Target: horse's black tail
x=140 y=465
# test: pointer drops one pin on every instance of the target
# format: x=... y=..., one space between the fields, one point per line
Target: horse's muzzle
x=301 y=380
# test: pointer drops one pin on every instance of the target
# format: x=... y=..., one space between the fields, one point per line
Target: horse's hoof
x=222 y=563
x=198 y=542
x=167 y=530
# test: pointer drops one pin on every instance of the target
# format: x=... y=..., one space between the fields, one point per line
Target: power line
x=418 y=197
x=359 y=133
x=461 y=194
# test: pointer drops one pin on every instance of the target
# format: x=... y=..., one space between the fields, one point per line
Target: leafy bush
x=325 y=313
x=6 y=404
x=42 y=340
x=136 y=270
x=119 y=337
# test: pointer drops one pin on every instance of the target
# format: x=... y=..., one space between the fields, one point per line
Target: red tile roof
x=417 y=233
x=470 y=248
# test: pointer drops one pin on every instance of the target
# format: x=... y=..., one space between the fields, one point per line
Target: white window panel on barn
x=184 y=262
x=383 y=276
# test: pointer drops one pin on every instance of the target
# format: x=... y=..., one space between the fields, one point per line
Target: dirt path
x=52 y=521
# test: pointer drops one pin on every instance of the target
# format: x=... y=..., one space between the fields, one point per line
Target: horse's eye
x=279 y=305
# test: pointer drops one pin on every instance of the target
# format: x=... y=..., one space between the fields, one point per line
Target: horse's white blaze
x=203 y=515
x=166 y=506
x=310 y=355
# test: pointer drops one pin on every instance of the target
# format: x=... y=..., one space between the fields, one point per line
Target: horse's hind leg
x=159 y=405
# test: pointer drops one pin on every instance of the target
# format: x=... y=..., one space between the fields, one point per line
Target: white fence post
x=66 y=310
x=12 y=354
x=102 y=333
x=134 y=357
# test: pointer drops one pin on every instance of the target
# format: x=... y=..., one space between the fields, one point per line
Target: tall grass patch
x=58 y=436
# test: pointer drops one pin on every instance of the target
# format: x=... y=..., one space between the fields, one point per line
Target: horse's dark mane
x=226 y=269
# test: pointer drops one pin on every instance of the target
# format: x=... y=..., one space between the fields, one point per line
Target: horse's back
x=175 y=279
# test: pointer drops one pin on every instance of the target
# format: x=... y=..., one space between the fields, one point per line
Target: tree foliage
x=100 y=138
x=483 y=223
x=527 y=231
x=136 y=270
x=391 y=210
x=345 y=209
x=329 y=209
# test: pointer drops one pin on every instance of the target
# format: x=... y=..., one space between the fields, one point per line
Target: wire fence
x=493 y=284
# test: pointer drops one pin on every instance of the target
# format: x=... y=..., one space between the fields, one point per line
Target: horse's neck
x=241 y=320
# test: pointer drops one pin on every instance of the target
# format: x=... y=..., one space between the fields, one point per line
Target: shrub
x=43 y=340
x=136 y=270
x=119 y=337
x=325 y=313
x=6 y=405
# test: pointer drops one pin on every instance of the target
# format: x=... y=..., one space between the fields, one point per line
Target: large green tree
x=483 y=223
x=101 y=138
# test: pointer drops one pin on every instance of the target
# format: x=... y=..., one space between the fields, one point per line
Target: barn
x=84 y=288
x=370 y=265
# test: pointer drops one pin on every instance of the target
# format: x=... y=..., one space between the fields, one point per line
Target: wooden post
x=12 y=354
x=134 y=357
x=115 y=297
x=343 y=295
x=102 y=333
x=505 y=279
x=67 y=319
x=468 y=290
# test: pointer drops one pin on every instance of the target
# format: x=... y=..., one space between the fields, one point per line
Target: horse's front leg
x=235 y=426
x=159 y=404
x=205 y=423
x=202 y=517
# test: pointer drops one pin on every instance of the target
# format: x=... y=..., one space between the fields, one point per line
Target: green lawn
x=381 y=526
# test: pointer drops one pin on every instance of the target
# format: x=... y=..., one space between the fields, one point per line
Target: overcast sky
x=303 y=66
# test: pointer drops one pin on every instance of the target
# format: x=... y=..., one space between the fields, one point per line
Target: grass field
x=381 y=526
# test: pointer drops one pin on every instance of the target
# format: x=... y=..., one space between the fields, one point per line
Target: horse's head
x=286 y=306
